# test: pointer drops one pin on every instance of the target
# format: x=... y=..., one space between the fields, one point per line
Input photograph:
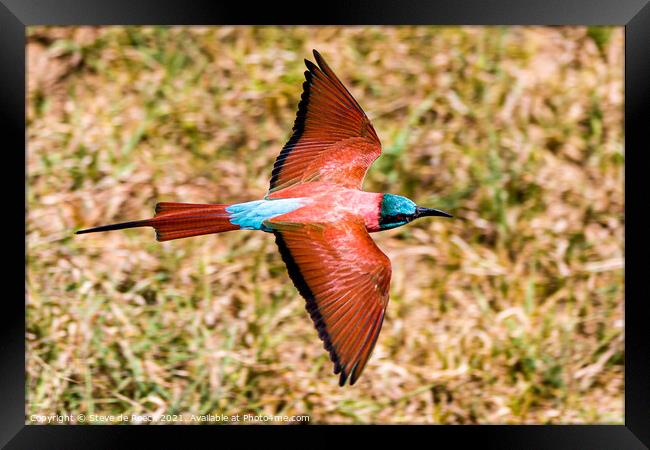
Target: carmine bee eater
x=320 y=217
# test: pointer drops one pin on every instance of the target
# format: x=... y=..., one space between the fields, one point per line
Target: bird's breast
x=332 y=203
x=364 y=204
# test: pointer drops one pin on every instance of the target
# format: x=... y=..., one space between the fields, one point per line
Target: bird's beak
x=423 y=212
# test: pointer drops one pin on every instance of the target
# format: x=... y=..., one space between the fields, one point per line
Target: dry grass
x=510 y=313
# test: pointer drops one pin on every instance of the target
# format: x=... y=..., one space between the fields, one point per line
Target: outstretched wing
x=332 y=139
x=345 y=279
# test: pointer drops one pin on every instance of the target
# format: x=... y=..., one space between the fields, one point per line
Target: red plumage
x=322 y=234
x=179 y=220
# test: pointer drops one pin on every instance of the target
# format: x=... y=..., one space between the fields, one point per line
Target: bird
x=320 y=217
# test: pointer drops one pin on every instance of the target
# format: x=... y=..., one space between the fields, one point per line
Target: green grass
x=509 y=313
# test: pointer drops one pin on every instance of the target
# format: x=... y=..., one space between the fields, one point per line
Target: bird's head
x=397 y=211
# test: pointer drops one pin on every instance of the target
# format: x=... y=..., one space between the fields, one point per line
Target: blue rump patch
x=250 y=215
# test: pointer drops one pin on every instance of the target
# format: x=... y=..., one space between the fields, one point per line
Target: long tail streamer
x=179 y=220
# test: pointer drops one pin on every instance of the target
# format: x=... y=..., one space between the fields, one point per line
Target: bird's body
x=321 y=219
x=330 y=203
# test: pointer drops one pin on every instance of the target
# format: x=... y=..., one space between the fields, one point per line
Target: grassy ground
x=509 y=313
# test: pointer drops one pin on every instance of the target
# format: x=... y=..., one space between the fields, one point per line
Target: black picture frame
x=16 y=15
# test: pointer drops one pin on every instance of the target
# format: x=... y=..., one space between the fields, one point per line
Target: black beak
x=423 y=212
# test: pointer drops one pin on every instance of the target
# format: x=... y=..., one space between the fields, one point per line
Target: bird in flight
x=321 y=219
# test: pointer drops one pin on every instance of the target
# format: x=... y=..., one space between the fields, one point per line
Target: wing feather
x=345 y=280
x=332 y=139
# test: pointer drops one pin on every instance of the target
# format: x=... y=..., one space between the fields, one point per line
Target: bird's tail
x=179 y=220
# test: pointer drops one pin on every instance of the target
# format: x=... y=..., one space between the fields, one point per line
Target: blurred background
x=512 y=312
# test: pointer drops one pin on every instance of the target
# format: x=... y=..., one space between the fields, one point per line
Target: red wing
x=332 y=139
x=345 y=279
